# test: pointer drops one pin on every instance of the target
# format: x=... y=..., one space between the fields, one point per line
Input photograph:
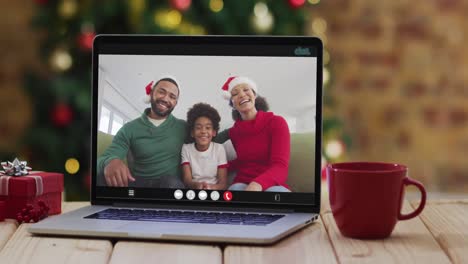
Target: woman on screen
x=261 y=140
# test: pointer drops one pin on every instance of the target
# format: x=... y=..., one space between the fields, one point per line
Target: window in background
x=117 y=123
x=104 y=120
x=111 y=120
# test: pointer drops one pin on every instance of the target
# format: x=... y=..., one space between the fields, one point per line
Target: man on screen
x=154 y=141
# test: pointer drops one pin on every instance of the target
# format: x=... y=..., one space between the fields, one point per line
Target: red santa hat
x=233 y=81
x=150 y=86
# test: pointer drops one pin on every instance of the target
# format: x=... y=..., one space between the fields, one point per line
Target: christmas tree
x=59 y=138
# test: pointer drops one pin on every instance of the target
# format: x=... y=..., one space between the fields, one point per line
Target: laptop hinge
x=203 y=208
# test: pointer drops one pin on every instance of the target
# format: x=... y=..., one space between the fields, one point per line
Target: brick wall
x=399 y=75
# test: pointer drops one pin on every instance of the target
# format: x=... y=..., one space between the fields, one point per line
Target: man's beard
x=158 y=112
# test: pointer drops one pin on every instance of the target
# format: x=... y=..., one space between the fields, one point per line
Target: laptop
x=251 y=198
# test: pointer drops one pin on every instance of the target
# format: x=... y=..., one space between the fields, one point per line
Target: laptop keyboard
x=186 y=216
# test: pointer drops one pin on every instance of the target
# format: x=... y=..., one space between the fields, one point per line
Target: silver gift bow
x=15 y=168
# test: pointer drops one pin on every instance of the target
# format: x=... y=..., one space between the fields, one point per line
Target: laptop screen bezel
x=254 y=41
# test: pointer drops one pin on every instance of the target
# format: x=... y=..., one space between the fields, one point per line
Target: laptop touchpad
x=151 y=229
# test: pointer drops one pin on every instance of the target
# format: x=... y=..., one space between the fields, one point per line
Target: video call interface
x=203 y=128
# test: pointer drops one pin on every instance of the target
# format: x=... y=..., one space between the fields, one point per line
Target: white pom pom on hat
x=150 y=86
x=233 y=81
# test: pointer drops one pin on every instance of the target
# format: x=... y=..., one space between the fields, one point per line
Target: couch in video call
x=301 y=166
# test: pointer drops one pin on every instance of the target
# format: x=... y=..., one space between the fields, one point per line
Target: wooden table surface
x=438 y=235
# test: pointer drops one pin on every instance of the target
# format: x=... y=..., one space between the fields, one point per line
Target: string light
x=173 y=19
x=334 y=149
x=67 y=8
x=326 y=57
x=261 y=9
x=136 y=9
x=324 y=39
x=190 y=29
x=197 y=30
x=137 y=6
x=262 y=18
x=72 y=165
x=168 y=19
x=60 y=60
x=216 y=5
x=326 y=76
x=184 y=28
x=319 y=26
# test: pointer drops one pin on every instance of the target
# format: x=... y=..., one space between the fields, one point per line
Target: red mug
x=366 y=198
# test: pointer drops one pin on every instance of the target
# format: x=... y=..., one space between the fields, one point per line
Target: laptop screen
x=207 y=120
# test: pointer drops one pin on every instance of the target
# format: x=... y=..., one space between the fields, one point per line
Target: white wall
x=119 y=100
x=115 y=97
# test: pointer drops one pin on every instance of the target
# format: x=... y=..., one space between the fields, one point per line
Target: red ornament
x=181 y=5
x=295 y=4
x=61 y=115
x=85 y=41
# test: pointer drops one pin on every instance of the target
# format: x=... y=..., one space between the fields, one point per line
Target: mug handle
x=409 y=181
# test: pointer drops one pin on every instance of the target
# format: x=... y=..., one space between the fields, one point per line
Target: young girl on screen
x=204 y=164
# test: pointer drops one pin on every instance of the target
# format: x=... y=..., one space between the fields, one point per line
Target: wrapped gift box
x=2 y=210
x=19 y=191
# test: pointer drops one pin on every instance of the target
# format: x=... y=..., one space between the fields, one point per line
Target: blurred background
x=394 y=82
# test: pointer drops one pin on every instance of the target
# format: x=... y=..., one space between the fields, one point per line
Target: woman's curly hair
x=205 y=110
x=260 y=104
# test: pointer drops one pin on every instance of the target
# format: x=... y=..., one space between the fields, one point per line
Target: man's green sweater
x=155 y=150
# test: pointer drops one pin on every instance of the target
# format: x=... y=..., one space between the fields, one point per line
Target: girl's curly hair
x=202 y=109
